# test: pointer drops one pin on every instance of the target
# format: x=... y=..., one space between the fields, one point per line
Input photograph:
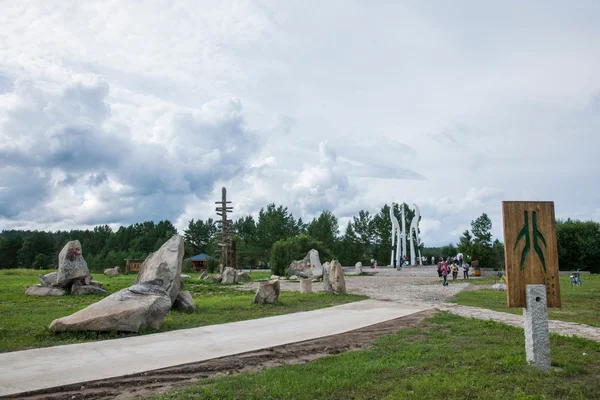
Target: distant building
x=199 y=261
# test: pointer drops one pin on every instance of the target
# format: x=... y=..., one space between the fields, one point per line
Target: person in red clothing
x=445 y=273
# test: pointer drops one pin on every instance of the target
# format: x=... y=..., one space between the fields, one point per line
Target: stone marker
x=143 y=304
x=228 y=275
x=309 y=267
x=71 y=265
x=333 y=278
x=243 y=277
x=39 y=290
x=112 y=271
x=537 y=333
x=305 y=285
x=164 y=264
x=49 y=279
x=184 y=302
x=358 y=267
x=267 y=292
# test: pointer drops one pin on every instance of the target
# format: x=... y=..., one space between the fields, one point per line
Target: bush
x=186 y=266
x=285 y=251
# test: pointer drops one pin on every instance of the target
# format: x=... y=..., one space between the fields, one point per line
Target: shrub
x=285 y=251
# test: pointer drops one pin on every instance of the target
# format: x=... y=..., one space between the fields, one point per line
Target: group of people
x=452 y=265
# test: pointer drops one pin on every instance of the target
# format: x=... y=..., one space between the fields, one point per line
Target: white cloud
x=110 y=115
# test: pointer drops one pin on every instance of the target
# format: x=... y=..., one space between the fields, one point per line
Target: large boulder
x=49 y=279
x=333 y=278
x=267 y=292
x=164 y=264
x=143 y=304
x=358 y=267
x=228 y=276
x=185 y=302
x=243 y=277
x=39 y=290
x=309 y=267
x=71 y=265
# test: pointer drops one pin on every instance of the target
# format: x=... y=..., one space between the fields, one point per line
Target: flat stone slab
x=29 y=370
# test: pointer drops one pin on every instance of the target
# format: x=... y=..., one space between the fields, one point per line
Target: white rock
x=309 y=267
x=71 y=265
x=127 y=310
x=228 y=275
x=267 y=292
x=358 y=267
x=274 y=277
x=164 y=264
x=39 y=290
x=183 y=276
x=293 y=278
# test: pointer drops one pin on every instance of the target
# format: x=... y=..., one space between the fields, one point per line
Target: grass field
x=579 y=303
x=446 y=357
x=24 y=319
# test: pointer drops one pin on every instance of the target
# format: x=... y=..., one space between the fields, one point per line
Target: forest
x=366 y=236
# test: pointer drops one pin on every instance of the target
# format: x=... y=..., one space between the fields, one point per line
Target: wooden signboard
x=133 y=265
x=530 y=250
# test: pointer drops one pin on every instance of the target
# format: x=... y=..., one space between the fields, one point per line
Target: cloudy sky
x=115 y=112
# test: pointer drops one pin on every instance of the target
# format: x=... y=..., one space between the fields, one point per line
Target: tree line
x=366 y=236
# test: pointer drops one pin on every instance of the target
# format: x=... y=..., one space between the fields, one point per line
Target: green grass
x=260 y=275
x=579 y=303
x=24 y=320
x=446 y=357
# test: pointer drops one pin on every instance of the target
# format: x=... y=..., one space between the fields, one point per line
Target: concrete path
x=30 y=370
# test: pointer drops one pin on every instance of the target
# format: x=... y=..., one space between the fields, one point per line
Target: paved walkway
x=37 y=369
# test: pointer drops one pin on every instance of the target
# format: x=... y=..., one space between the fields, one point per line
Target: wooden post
x=530 y=250
x=225 y=229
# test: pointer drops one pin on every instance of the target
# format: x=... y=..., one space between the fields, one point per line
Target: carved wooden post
x=225 y=230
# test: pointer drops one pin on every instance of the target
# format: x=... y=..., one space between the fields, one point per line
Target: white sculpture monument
x=400 y=235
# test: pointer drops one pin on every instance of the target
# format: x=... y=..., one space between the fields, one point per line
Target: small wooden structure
x=199 y=261
x=133 y=265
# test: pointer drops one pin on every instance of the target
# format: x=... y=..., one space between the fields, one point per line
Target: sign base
x=537 y=333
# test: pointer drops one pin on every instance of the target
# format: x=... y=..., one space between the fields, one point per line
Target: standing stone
x=39 y=290
x=333 y=278
x=143 y=304
x=267 y=292
x=305 y=285
x=71 y=265
x=185 y=302
x=243 y=277
x=49 y=279
x=228 y=275
x=535 y=322
x=164 y=264
x=358 y=267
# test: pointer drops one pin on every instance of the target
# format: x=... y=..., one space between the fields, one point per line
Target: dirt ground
x=166 y=379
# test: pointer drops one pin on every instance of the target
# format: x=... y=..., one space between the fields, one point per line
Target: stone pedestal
x=535 y=321
x=306 y=285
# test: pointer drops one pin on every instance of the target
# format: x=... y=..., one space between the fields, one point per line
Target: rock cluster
x=73 y=276
x=146 y=303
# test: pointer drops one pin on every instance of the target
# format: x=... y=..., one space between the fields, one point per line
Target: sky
x=115 y=112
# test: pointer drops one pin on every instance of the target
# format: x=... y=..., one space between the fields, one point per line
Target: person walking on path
x=454 y=271
x=445 y=274
x=466 y=271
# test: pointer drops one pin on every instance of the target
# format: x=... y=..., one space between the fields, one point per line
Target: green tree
x=9 y=251
x=482 y=230
x=324 y=229
x=448 y=251
x=295 y=248
x=200 y=234
x=37 y=243
x=578 y=245
x=498 y=251
x=274 y=223
x=465 y=243
x=349 y=251
x=364 y=230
